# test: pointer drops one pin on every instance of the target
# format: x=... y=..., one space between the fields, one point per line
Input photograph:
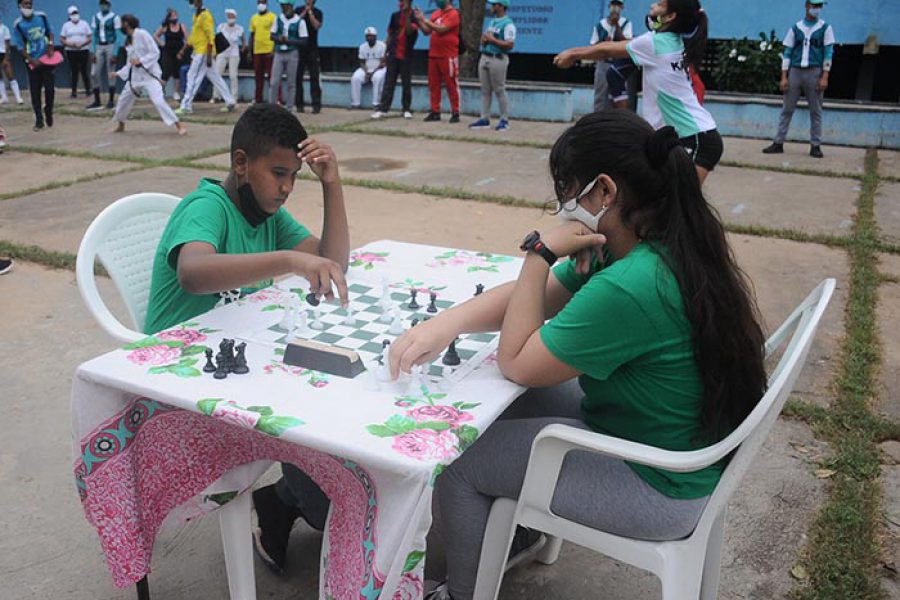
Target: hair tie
x=688 y=36
x=660 y=144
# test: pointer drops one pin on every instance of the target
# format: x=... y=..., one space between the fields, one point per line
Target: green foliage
x=747 y=65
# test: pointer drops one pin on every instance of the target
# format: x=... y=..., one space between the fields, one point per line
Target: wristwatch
x=533 y=243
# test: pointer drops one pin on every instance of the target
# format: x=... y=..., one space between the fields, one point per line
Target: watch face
x=530 y=240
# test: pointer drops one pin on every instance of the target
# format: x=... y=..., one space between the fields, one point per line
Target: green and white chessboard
x=367 y=336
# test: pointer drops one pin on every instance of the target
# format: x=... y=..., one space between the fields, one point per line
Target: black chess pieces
x=432 y=304
x=221 y=367
x=479 y=289
x=413 y=305
x=240 y=360
x=209 y=367
x=451 y=357
x=312 y=299
x=415 y=322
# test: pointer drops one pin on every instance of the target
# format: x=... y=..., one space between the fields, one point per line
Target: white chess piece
x=396 y=324
x=317 y=320
x=350 y=319
x=302 y=326
x=446 y=383
x=414 y=388
x=287 y=321
x=384 y=370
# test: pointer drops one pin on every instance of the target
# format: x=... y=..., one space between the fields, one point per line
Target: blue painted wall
x=545 y=26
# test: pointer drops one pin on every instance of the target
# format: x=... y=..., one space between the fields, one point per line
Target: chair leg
x=550 y=552
x=712 y=564
x=681 y=576
x=143 y=589
x=498 y=536
x=234 y=521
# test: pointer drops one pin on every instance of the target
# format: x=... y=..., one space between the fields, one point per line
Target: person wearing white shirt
x=76 y=38
x=141 y=73
x=231 y=58
x=614 y=27
x=6 y=71
x=371 y=69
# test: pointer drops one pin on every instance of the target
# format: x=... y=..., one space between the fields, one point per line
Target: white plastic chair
x=688 y=568
x=124 y=236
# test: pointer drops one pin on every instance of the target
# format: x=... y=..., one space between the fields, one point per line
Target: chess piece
x=414 y=322
x=209 y=367
x=396 y=324
x=479 y=289
x=312 y=299
x=414 y=388
x=221 y=367
x=240 y=360
x=446 y=383
x=432 y=304
x=451 y=357
x=384 y=370
x=288 y=320
x=302 y=325
x=413 y=305
x=350 y=319
x=317 y=323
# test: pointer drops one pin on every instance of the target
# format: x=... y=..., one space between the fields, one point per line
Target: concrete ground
x=47 y=548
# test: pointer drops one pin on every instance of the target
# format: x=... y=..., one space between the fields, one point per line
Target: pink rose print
x=369 y=257
x=187 y=336
x=267 y=295
x=426 y=444
x=445 y=414
x=230 y=413
x=154 y=355
x=410 y=588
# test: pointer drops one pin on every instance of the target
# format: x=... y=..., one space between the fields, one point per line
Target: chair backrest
x=798 y=330
x=124 y=236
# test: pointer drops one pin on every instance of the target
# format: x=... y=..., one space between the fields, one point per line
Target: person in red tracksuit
x=443 y=56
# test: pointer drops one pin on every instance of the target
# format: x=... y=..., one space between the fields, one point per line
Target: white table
x=146 y=449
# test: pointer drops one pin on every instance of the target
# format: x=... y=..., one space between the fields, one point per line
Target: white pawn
x=396 y=324
x=414 y=389
x=446 y=383
x=317 y=323
x=302 y=326
x=383 y=372
x=287 y=321
x=350 y=319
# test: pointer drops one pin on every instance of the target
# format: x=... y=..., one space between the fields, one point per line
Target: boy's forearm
x=211 y=273
x=335 y=242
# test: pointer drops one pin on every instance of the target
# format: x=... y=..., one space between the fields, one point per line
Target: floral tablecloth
x=156 y=438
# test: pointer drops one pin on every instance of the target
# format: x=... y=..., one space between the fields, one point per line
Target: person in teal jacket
x=497 y=42
x=805 y=65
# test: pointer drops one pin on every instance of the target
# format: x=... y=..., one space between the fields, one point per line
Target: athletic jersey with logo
x=31 y=34
x=504 y=30
x=105 y=27
x=669 y=97
x=372 y=54
x=261 y=30
x=295 y=27
x=808 y=44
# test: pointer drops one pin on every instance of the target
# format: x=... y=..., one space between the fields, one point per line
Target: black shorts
x=705 y=148
x=617 y=79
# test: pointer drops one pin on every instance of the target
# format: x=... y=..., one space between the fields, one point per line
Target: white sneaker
x=379 y=115
x=407 y=115
x=20 y=101
x=176 y=96
x=4 y=100
x=212 y=100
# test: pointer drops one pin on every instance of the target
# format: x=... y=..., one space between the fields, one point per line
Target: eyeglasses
x=570 y=204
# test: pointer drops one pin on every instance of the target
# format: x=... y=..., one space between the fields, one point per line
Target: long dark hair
x=132 y=22
x=692 y=24
x=661 y=201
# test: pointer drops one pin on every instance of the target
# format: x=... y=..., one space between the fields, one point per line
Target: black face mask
x=250 y=208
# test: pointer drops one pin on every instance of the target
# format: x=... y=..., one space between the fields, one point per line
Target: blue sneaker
x=480 y=124
x=503 y=125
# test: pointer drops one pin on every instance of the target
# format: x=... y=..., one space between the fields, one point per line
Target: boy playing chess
x=237 y=234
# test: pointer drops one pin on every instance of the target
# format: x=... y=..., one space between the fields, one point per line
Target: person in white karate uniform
x=141 y=73
x=372 y=60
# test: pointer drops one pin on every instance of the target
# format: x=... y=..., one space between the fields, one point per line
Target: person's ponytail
x=692 y=24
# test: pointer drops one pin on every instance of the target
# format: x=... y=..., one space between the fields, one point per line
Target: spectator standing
x=231 y=58
x=105 y=26
x=309 y=57
x=617 y=28
x=171 y=38
x=6 y=70
x=371 y=69
x=443 y=56
x=289 y=34
x=497 y=42
x=75 y=36
x=403 y=31
x=808 y=50
x=262 y=46
x=34 y=39
x=203 y=44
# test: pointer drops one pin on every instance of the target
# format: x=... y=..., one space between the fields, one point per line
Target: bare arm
x=158 y=36
x=335 y=242
x=601 y=51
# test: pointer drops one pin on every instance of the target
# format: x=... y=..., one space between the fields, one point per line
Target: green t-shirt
x=625 y=330
x=208 y=215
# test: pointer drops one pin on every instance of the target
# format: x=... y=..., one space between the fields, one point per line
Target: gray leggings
x=593 y=489
x=492 y=74
x=803 y=80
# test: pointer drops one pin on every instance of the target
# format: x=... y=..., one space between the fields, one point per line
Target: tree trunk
x=472 y=15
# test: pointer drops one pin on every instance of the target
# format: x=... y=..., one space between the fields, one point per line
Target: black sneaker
x=774 y=149
x=432 y=117
x=525 y=546
x=110 y=105
x=317 y=110
x=300 y=109
x=6 y=265
x=454 y=118
x=48 y=116
x=73 y=95
x=95 y=105
x=274 y=521
x=816 y=152
x=38 y=127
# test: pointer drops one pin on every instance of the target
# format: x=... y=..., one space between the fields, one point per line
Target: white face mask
x=262 y=8
x=815 y=12
x=232 y=21
x=27 y=12
x=74 y=18
x=571 y=210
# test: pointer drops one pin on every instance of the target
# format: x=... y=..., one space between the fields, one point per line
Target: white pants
x=195 y=77
x=232 y=62
x=153 y=89
x=356 y=84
